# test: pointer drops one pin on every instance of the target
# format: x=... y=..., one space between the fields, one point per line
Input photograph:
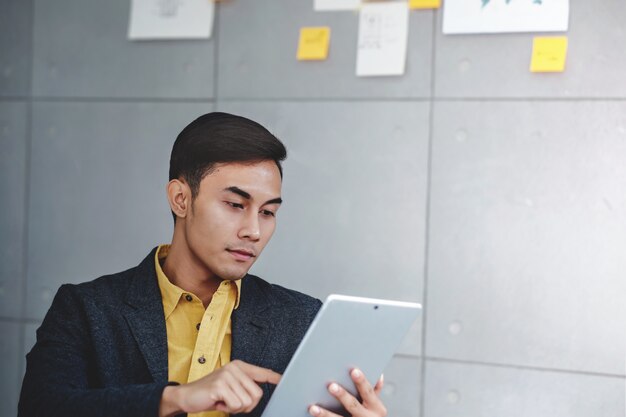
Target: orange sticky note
x=313 y=44
x=424 y=4
x=549 y=54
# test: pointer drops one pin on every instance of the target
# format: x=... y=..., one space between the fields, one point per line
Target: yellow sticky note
x=313 y=44
x=549 y=54
x=424 y=4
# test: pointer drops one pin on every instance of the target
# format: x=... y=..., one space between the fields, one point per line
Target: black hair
x=221 y=138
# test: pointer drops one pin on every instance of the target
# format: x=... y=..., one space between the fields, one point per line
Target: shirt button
x=201 y=360
x=188 y=297
x=198 y=326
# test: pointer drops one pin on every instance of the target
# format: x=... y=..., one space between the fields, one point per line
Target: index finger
x=259 y=374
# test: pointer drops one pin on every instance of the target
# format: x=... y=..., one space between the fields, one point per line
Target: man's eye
x=267 y=213
x=234 y=205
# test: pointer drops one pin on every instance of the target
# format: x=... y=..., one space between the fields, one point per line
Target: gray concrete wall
x=495 y=197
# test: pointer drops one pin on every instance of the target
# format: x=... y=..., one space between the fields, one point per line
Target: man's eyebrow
x=239 y=191
x=276 y=200
x=247 y=196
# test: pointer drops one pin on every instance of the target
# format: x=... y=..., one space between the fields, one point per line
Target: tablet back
x=348 y=332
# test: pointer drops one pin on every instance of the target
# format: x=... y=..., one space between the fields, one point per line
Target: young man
x=188 y=330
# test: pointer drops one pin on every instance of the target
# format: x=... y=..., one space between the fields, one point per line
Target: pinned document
x=313 y=44
x=171 y=19
x=501 y=16
x=549 y=54
x=335 y=5
x=383 y=36
x=424 y=4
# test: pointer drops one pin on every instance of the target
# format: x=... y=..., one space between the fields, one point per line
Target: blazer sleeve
x=57 y=380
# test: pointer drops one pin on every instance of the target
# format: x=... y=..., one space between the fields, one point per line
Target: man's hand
x=233 y=389
x=371 y=405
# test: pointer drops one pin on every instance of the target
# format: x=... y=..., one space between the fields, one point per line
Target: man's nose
x=251 y=229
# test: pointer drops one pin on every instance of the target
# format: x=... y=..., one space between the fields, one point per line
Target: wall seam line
x=522 y=367
x=27 y=187
x=422 y=409
x=216 y=50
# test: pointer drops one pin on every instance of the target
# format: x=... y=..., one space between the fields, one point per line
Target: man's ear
x=179 y=197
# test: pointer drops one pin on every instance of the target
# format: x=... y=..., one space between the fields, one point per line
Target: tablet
x=348 y=332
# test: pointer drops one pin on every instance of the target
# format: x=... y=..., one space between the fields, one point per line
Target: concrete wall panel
x=98 y=201
x=527 y=235
x=460 y=390
x=81 y=50
x=260 y=61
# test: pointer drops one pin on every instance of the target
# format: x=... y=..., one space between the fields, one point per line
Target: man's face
x=233 y=217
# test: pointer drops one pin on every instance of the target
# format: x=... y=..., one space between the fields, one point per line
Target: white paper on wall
x=333 y=5
x=501 y=16
x=171 y=19
x=383 y=36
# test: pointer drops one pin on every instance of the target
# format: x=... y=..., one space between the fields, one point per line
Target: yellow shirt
x=198 y=339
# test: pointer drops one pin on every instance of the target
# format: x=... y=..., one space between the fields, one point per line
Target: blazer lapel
x=251 y=325
x=146 y=318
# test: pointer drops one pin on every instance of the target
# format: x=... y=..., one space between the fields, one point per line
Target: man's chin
x=234 y=275
x=234 y=278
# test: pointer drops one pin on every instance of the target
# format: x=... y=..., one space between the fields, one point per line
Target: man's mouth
x=241 y=254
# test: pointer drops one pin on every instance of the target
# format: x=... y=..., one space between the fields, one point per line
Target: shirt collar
x=171 y=293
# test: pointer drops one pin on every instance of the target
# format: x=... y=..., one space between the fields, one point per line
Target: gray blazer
x=102 y=347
